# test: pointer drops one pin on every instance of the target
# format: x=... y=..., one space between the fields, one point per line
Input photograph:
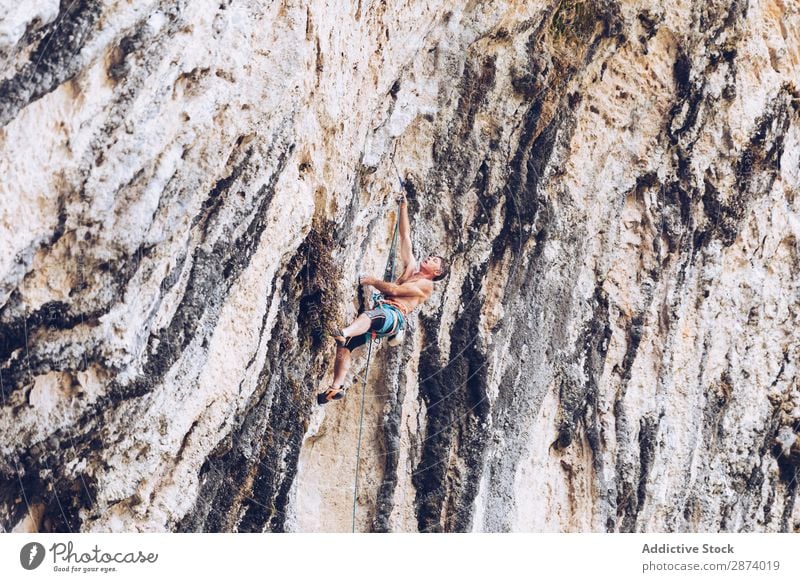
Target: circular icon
x=31 y=555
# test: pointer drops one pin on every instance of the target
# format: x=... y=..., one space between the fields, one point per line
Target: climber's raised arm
x=406 y=252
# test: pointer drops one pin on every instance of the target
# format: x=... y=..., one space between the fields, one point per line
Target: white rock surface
x=190 y=189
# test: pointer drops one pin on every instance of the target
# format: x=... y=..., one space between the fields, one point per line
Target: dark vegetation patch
x=320 y=302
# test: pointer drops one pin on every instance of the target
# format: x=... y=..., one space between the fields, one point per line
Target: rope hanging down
x=388 y=275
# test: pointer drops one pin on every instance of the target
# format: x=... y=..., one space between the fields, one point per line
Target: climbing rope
x=360 y=431
x=388 y=272
x=396 y=171
x=388 y=275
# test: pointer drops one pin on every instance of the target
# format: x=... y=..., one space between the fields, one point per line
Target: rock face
x=189 y=190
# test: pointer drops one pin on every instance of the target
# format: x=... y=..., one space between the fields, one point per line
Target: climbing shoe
x=330 y=395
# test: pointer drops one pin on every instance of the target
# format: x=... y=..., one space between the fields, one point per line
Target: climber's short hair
x=444 y=269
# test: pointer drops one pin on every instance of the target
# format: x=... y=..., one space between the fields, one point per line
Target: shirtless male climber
x=413 y=288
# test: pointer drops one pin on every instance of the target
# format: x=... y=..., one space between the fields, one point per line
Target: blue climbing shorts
x=384 y=319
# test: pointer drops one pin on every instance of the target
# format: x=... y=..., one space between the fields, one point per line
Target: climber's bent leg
x=341 y=366
x=360 y=325
x=354 y=336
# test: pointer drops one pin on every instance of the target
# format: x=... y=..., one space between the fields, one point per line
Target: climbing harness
x=394 y=327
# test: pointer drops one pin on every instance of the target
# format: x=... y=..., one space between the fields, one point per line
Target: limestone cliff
x=190 y=188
